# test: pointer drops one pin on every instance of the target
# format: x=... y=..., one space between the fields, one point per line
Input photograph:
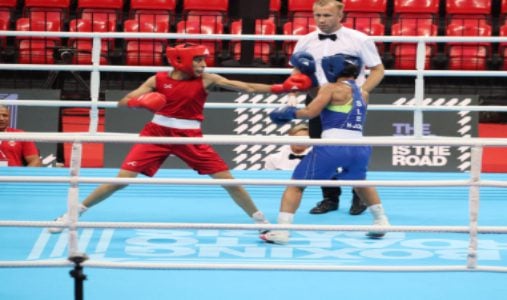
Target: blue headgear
x=305 y=63
x=338 y=65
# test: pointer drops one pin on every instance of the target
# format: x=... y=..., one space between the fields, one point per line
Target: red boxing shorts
x=147 y=158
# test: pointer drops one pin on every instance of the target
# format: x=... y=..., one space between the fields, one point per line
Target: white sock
x=377 y=210
x=259 y=218
x=285 y=218
x=81 y=208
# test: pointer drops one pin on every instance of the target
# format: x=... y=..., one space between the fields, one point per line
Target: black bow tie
x=294 y=156
x=332 y=37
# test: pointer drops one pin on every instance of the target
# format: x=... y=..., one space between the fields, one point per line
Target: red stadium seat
x=100 y=10
x=294 y=6
x=9 y=3
x=7 y=7
x=502 y=49
x=468 y=56
x=5 y=16
x=205 y=17
x=59 y=4
x=419 y=7
x=206 y=11
x=145 y=51
x=468 y=7
x=370 y=26
x=166 y=5
x=428 y=9
x=300 y=25
x=275 y=6
x=299 y=20
x=208 y=24
x=100 y=4
x=262 y=49
x=503 y=11
x=367 y=16
x=205 y=5
x=405 y=53
x=78 y=120
x=4 y=25
x=371 y=6
x=52 y=7
x=372 y=11
x=160 y=8
x=38 y=50
x=83 y=46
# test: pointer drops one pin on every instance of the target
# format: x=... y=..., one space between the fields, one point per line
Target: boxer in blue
x=342 y=110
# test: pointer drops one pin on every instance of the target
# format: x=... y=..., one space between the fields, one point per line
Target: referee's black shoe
x=324 y=206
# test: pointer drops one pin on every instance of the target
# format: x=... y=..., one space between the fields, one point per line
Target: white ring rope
x=257 y=71
x=300 y=227
x=261 y=182
x=85 y=137
x=270 y=267
x=253 y=37
x=226 y=105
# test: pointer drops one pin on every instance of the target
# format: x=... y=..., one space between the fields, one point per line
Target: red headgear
x=182 y=56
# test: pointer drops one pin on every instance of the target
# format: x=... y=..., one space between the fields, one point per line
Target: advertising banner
x=247 y=121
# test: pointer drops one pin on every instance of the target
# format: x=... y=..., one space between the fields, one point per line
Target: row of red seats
x=370 y=9
x=200 y=20
x=469 y=56
x=372 y=6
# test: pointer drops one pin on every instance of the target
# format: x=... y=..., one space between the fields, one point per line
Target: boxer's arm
x=147 y=87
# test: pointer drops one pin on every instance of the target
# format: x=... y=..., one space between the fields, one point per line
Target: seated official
x=16 y=153
x=289 y=156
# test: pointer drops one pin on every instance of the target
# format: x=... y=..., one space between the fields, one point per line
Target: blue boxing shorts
x=334 y=162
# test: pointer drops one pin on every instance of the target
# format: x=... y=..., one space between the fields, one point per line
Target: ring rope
x=228 y=105
x=257 y=71
x=262 y=182
x=299 y=227
x=251 y=139
x=235 y=266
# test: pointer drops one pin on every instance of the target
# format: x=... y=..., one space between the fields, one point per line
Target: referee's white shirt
x=349 y=41
x=280 y=160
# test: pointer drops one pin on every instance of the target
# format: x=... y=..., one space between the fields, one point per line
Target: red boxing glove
x=151 y=101
x=277 y=89
x=295 y=83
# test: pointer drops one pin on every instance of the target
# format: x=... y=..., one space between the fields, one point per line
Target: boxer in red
x=177 y=99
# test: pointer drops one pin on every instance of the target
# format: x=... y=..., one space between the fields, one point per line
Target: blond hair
x=338 y=4
x=297 y=128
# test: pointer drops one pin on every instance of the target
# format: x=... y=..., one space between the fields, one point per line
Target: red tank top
x=15 y=151
x=185 y=98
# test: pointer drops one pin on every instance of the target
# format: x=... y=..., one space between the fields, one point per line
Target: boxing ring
x=179 y=236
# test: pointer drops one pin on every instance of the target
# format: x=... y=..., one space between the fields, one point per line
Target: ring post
x=75 y=255
x=78 y=275
x=475 y=176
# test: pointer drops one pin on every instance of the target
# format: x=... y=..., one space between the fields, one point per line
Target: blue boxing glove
x=283 y=115
x=305 y=63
